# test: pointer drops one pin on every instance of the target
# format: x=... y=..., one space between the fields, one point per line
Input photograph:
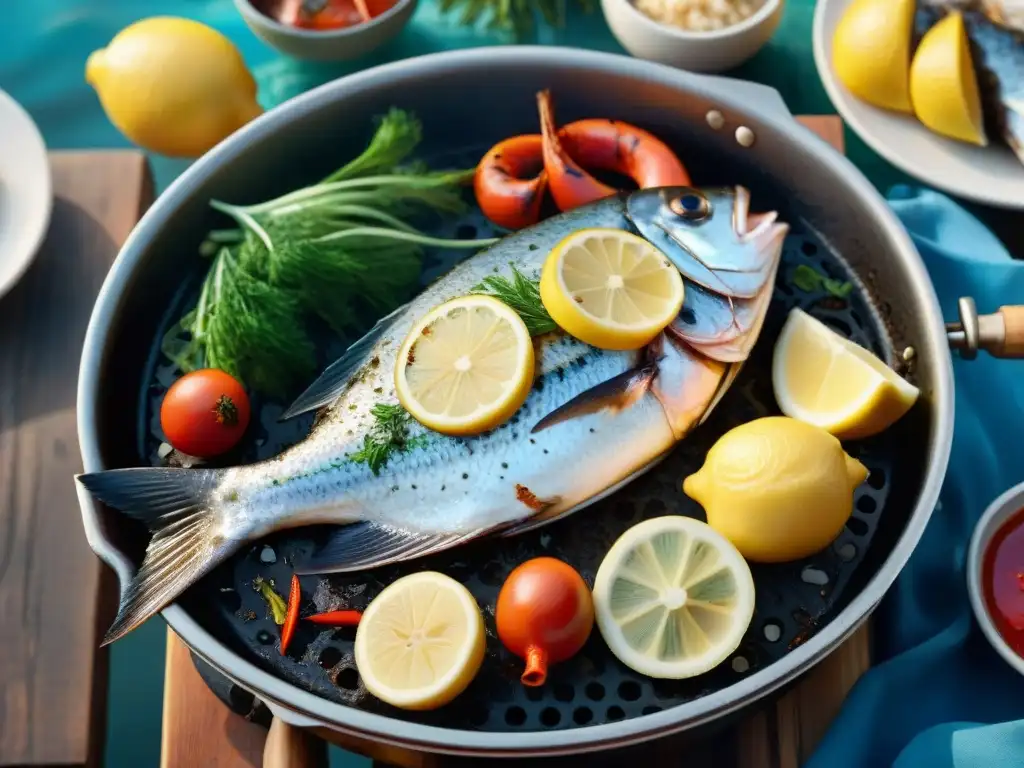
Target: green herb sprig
x=522 y=295
x=808 y=279
x=389 y=434
x=338 y=250
x=513 y=16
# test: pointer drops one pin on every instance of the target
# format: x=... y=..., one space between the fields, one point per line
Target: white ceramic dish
x=714 y=51
x=998 y=512
x=989 y=175
x=26 y=196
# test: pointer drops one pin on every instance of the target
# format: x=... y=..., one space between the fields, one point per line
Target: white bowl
x=714 y=51
x=329 y=44
x=990 y=175
x=998 y=512
x=26 y=196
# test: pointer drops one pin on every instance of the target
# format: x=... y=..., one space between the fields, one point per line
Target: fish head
x=710 y=235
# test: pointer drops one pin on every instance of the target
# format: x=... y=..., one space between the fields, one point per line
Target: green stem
x=227 y=236
x=411 y=237
x=398 y=180
x=245 y=218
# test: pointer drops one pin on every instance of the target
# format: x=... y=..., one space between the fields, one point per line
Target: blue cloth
x=939 y=695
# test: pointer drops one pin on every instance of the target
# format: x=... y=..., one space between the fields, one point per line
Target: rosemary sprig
x=522 y=295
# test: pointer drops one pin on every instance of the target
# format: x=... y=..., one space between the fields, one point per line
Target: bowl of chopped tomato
x=326 y=30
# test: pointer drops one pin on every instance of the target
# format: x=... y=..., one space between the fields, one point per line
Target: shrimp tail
x=570 y=185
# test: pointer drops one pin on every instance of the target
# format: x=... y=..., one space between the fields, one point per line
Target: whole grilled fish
x=593 y=420
x=996 y=32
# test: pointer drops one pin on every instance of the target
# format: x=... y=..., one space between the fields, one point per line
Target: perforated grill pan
x=467 y=101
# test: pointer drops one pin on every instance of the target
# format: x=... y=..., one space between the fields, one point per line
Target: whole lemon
x=779 y=489
x=173 y=86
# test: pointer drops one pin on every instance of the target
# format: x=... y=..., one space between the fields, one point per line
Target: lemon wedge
x=828 y=381
x=420 y=642
x=610 y=289
x=943 y=84
x=673 y=597
x=871 y=51
x=466 y=366
x=779 y=489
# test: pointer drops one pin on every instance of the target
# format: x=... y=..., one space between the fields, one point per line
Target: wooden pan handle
x=291 y=747
x=1013 y=335
x=1001 y=334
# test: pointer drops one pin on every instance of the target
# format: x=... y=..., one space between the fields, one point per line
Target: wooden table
x=200 y=730
x=56 y=598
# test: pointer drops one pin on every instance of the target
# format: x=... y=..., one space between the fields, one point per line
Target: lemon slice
x=466 y=366
x=420 y=642
x=673 y=597
x=610 y=289
x=943 y=84
x=828 y=381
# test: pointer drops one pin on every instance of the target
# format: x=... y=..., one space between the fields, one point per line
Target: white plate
x=991 y=174
x=26 y=196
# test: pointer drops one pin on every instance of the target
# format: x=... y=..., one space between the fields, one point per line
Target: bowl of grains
x=696 y=35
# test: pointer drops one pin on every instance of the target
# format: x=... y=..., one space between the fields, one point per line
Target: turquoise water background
x=43 y=48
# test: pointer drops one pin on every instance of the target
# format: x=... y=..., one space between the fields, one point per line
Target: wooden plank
x=199 y=730
x=56 y=598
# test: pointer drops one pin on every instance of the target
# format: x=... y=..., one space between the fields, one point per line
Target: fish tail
x=175 y=505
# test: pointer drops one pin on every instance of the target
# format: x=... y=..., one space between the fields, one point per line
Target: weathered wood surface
x=55 y=595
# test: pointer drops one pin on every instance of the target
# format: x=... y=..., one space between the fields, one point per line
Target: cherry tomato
x=205 y=413
x=544 y=615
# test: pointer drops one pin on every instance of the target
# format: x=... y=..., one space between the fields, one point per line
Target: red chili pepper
x=337 y=618
x=291 y=618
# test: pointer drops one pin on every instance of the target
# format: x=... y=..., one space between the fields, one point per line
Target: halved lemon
x=466 y=366
x=826 y=380
x=610 y=289
x=420 y=642
x=673 y=597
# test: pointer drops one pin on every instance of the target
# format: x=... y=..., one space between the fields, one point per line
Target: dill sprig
x=389 y=433
x=522 y=295
x=338 y=250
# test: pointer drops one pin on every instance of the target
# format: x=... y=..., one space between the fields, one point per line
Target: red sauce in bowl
x=322 y=14
x=1002 y=581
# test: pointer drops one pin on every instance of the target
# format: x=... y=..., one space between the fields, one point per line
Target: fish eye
x=692 y=206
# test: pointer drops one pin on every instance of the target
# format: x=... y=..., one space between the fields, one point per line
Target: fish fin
x=330 y=384
x=617 y=393
x=172 y=503
x=364 y=545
